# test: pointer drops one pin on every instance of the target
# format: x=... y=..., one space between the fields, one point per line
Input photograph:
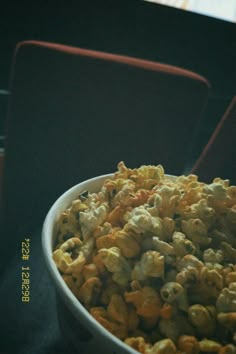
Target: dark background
x=131 y=27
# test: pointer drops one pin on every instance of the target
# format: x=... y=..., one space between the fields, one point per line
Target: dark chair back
x=75 y=113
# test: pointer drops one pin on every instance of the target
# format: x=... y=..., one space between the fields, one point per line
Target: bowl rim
x=78 y=310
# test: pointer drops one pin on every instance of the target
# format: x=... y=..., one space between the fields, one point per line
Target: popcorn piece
x=145 y=177
x=106 y=241
x=68 y=222
x=141 y=221
x=90 y=290
x=217 y=191
x=64 y=260
x=164 y=346
x=102 y=230
x=163 y=247
x=172 y=328
x=189 y=261
x=227 y=319
x=209 y=346
x=227 y=349
x=122 y=198
x=116 y=329
x=139 y=198
x=181 y=245
x=188 y=344
x=230 y=278
x=167 y=200
x=188 y=276
x=115 y=217
x=200 y=210
x=116 y=264
x=89 y=271
x=166 y=311
x=117 y=309
x=213 y=256
x=92 y=218
x=226 y=301
x=133 y=319
x=211 y=278
x=137 y=343
x=202 y=320
x=196 y=230
x=110 y=289
x=228 y=251
x=150 y=265
x=146 y=301
x=128 y=245
x=174 y=292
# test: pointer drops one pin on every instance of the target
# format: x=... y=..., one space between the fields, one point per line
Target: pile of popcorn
x=153 y=259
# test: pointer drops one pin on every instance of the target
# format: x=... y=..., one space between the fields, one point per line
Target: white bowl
x=69 y=305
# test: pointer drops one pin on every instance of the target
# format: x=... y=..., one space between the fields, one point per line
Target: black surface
x=130 y=27
x=29 y=327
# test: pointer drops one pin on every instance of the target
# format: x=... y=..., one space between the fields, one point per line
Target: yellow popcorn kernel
x=109 y=289
x=116 y=263
x=118 y=330
x=89 y=271
x=127 y=244
x=188 y=344
x=146 y=301
x=117 y=309
x=174 y=292
x=115 y=217
x=227 y=319
x=196 y=231
x=182 y=245
x=230 y=278
x=106 y=241
x=66 y=264
x=133 y=319
x=90 y=290
x=202 y=320
x=137 y=343
x=164 y=346
x=227 y=349
x=209 y=346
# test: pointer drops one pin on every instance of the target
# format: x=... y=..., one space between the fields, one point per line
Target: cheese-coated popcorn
x=209 y=346
x=227 y=349
x=201 y=318
x=152 y=257
x=164 y=346
x=117 y=309
x=116 y=264
x=146 y=301
x=89 y=290
x=188 y=344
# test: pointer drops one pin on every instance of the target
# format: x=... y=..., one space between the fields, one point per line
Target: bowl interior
x=114 y=344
